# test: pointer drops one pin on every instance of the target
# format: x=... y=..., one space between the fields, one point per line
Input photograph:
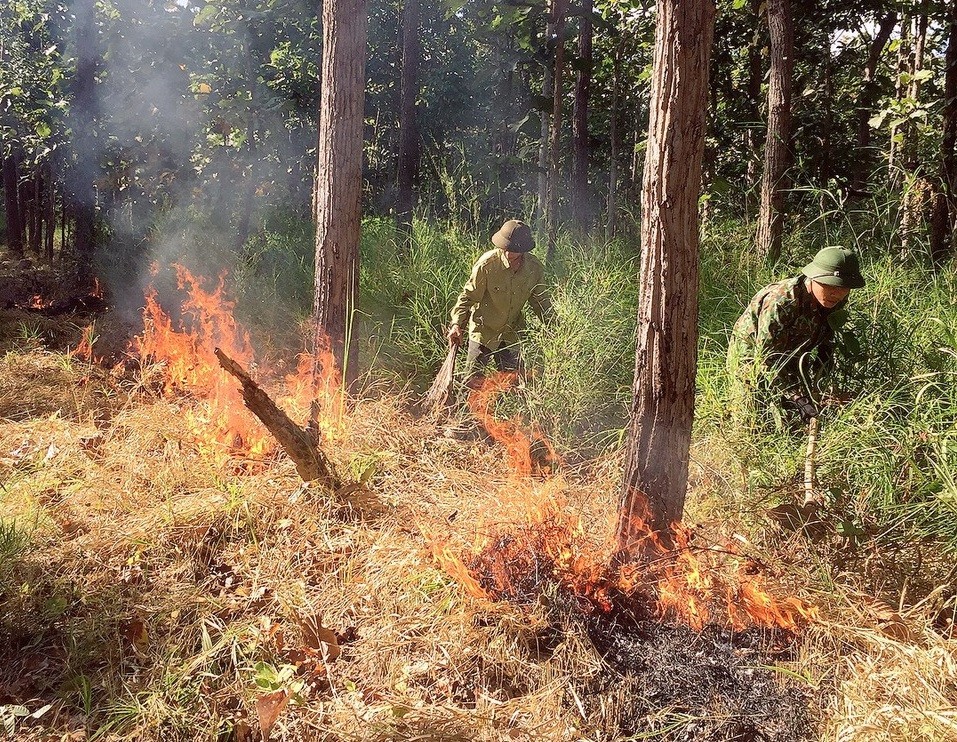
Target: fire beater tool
x=440 y=395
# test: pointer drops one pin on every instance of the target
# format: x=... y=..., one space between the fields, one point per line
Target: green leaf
x=206 y=15
x=877 y=120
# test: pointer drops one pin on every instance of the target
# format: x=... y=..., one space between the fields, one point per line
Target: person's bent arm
x=471 y=294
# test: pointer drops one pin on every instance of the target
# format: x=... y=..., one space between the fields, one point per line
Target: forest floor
x=153 y=587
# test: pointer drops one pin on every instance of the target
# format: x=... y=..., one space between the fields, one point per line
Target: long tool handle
x=810 y=465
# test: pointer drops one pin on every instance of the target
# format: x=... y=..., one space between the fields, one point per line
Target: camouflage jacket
x=494 y=297
x=783 y=340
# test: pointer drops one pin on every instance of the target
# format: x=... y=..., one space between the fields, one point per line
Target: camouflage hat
x=835 y=266
x=514 y=236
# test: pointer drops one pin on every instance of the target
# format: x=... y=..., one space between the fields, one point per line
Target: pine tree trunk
x=659 y=433
x=864 y=158
x=339 y=180
x=11 y=193
x=581 y=197
x=409 y=150
x=945 y=207
x=777 y=143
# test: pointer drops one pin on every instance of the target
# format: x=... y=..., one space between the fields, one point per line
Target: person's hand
x=803 y=406
x=455 y=335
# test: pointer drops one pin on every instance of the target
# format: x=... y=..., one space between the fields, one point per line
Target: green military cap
x=514 y=236
x=835 y=266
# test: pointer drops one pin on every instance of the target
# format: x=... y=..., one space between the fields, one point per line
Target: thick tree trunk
x=84 y=113
x=945 y=207
x=339 y=180
x=864 y=158
x=559 y=10
x=777 y=143
x=581 y=196
x=659 y=434
x=11 y=193
x=409 y=149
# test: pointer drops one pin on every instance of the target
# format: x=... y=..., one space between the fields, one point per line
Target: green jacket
x=783 y=341
x=494 y=296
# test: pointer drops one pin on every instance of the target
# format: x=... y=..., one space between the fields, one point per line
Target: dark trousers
x=479 y=357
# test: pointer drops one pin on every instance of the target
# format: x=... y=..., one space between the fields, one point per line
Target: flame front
x=544 y=539
x=220 y=422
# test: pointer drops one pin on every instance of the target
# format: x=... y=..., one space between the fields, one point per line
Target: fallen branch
x=301 y=445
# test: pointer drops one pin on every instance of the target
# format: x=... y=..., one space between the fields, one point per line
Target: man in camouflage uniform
x=783 y=343
x=502 y=282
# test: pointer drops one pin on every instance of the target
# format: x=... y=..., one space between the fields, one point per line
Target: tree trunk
x=917 y=198
x=945 y=207
x=11 y=193
x=49 y=212
x=339 y=180
x=777 y=143
x=36 y=215
x=903 y=65
x=752 y=137
x=615 y=137
x=409 y=150
x=559 y=10
x=581 y=196
x=659 y=433
x=867 y=101
x=84 y=114
x=545 y=119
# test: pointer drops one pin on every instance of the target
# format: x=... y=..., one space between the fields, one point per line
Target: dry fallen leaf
x=268 y=708
x=316 y=636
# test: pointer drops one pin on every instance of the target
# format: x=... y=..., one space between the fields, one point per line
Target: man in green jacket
x=783 y=344
x=491 y=304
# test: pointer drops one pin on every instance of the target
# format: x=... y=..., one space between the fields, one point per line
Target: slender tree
x=581 y=197
x=11 y=194
x=339 y=179
x=867 y=100
x=659 y=432
x=85 y=112
x=945 y=206
x=409 y=147
x=777 y=143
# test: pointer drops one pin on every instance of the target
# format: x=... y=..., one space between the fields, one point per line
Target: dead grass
x=163 y=594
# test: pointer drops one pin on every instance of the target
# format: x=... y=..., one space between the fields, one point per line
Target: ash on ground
x=676 y=684
x=659 y=680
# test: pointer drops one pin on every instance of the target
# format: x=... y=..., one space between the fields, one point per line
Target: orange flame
x=220 y=423
x=84 y=349
x=529 y=451
x=697 y=584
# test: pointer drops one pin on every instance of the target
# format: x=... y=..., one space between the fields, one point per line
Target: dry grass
x=163 y=594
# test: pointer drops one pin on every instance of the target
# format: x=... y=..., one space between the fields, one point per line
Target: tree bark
x=339 y=180
x=581 y=196
x=659 y=433
x=11 y=193
x=777 y=143
x=409 y=149
x=903 y=65
x=864 y=158
x=36 y=214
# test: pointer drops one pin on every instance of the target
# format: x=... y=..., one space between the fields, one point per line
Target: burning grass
x=157 y=592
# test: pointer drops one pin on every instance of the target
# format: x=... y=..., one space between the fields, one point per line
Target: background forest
x=139 y=133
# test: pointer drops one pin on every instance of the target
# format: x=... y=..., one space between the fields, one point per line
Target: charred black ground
x=659 y=680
